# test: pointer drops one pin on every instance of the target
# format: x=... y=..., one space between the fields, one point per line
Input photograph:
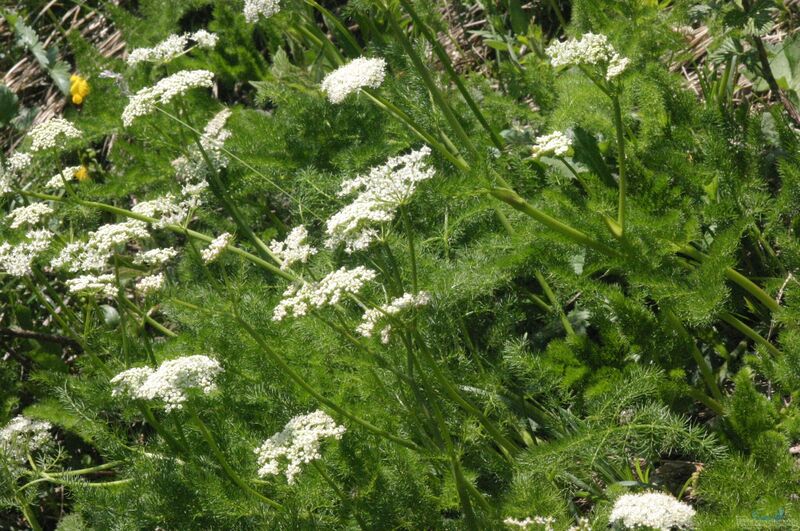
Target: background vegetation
x=550 y=374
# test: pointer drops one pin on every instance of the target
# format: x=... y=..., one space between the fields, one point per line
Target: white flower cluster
x=216 y=247
x=9 y=170
x=171 y=382
x=547 y=523
x=23 y=436
x=46 y=135
x=652 y=510
x=94 y=284
x=58 y=180
x=297 y=444
x=347 y=79
x=166 y=209
x=29 y=215
x=18 y=162
x=380 y=193
x=293 y=249
x=129 y=381
x=145 y=101
x=374 y=316
x=155 y=257
x=16 y=260
x=299 y=298
x=150 y=283
x=590 y=49
x=556 y=143
x=192 y=170
x=253 y=9
x=94 y=253
x=172 y=47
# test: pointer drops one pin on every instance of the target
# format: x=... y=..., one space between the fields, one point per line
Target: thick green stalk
x=412 y=254
x=750 y=333
x=737 y=278
x=232 y=475
x=514 y=200
x=27 y=512
x=401 y=115
x=506 y=446
x=313 y=392
x=554 y=303
x=427 y=78
x=351 y=41
x=171 y=227
x=347 y=502
x=448 y=66
x=621 y=163
x=705 y=369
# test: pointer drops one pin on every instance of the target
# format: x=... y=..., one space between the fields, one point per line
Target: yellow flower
x=79 y=88
x=82 y=174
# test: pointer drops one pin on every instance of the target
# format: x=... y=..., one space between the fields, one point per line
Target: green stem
x=750 y=333
x=91 y=470
x=448 y=66
x=620 y=162
x=232 y=475
x=313 y=392
x=337 y=24
x=748 y=285
x=27 y=512
x=737 y=278
x=513 y=199
x=411 y=250
x=171 y=227
x=401 y=115
x=347 y=502
x=145 y=317
x=427 y=78
x=554 y=303
x=506 y=446
x=705 y=369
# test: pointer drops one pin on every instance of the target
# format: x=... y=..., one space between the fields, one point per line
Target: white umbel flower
x=94 y=284
x=128 y=382
x=150 y=283
x=50 y=134
x=171 y=47
x=293 y=249
x=204 y=39
x=216 y=247
x=166 y=209
x=17 y=260
x=299 y=443
x=358 y=73
x=58 y=180
x=374 y=316
x=379 y=193
x=29 y=215
x=145 y=101
x=652 y=510
x=174 y=379
x=591 y=49
x=18 y=162
x=192 y=170
x=23 y=436
x=95 y=253
x=298 y=299
x=556 y=143
x=163 y=52
x=254 y=9
x=155 y=257
x=546 y=522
